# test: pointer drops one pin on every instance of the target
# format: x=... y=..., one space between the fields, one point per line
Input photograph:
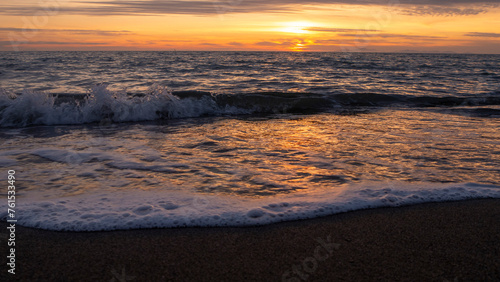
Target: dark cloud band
x=74 y=31
x=483 y=34
x=159 y=7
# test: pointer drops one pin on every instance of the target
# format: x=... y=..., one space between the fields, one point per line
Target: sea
x=125 y=140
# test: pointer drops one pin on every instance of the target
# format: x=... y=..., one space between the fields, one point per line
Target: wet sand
x=456 y=241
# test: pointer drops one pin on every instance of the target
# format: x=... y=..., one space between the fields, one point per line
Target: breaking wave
x=101 y=104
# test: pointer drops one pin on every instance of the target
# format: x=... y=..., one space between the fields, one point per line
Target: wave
x=101 y=104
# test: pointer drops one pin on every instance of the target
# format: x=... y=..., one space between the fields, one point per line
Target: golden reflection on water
x=283 y=154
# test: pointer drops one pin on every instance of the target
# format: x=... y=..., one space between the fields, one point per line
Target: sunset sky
x=462 y=26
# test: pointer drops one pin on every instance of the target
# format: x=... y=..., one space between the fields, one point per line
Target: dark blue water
x=237 y=72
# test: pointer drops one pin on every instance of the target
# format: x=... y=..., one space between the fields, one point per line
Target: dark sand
x=457 y=241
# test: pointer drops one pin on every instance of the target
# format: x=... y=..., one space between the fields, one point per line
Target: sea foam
x=117 y=210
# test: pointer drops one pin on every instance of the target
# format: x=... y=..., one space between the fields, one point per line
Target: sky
x=462 y=26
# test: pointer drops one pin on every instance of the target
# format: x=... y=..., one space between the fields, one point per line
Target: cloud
x=6 y=43
x=273 y=44
x=214 y=7
x=336 y=30
x=393 y=35
x=268 y=43
x=74 y=31
x=482 y=34
x=437 y=10
x=149 y=7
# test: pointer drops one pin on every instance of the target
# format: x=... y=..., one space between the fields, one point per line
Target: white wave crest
x=102 y=104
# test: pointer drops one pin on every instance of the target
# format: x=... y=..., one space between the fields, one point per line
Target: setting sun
x=296 y=27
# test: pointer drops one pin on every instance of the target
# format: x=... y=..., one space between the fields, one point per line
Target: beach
x=451 y=241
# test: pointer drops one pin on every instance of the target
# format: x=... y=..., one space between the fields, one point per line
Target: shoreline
x=449 y=241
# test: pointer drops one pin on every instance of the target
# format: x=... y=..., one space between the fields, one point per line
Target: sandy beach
x=454 y=241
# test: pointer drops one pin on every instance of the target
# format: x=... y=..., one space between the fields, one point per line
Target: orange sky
x=283 y=25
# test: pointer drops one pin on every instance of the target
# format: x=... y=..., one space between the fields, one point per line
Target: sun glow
x=296 y=27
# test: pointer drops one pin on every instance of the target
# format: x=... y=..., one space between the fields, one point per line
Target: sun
x=296 y=27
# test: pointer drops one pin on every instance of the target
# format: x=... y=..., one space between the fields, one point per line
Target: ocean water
x=121 y=140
